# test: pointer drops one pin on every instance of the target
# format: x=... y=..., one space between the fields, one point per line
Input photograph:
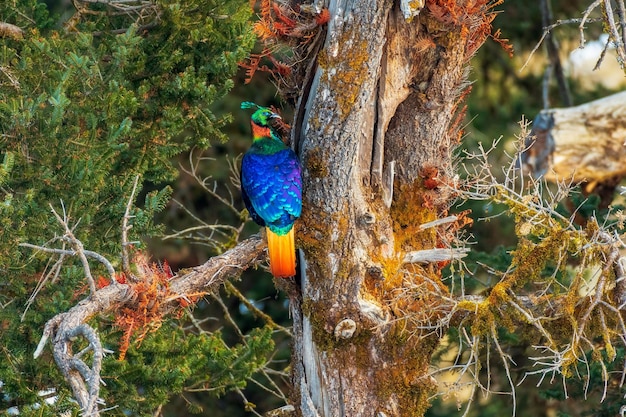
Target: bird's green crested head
x=262 y=116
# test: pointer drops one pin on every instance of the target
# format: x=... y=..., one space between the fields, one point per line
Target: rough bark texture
x=376 y=140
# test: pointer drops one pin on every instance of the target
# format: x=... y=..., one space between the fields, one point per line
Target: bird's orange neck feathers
x=259 y=131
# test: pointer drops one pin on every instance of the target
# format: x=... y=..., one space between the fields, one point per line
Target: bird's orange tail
x=282 y=251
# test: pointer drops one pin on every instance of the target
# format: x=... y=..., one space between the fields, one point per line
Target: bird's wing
x=273 y=185
x=246 y=201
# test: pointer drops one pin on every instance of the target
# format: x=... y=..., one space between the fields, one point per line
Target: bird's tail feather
x=282 y=252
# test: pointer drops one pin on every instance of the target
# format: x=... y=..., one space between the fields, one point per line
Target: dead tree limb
x=64 y=328
x=582 y=143
x=7 y=30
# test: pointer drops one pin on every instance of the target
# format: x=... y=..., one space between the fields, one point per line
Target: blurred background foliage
x=223 y=358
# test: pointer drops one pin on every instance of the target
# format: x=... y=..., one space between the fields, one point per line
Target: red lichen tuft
x=431 y=183
x=454 y=130
x=281 y=24
x=503 y=42
x=322 y=17
x=251 y=66
x=144 y=313
x=120 y=277
x=102 y=282
x=429 y=175
x=281 y=68
x=474 y=19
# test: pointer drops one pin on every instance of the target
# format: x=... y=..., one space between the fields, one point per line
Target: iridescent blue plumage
x=271 y=187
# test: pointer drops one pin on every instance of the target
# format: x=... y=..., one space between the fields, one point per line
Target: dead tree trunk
x=379 y=126
x=582 y=143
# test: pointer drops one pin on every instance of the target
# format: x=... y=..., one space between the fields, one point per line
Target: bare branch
x=125 y=228
x=602 y=54
x=585 y=19
x=553 y=54
x=438 y=222
x=104 y=261
x=546 y=31
x=84 y=380
x=256 y=311
x=248 y=406
x=77 y=245
x=506 y=358
x=590 y=299
x=435 y=255
x=621 y=14
x=614 y=33
x=53 y=273
x=143 y=14
x=558 y=23
x=215 y=231
x=207 y=183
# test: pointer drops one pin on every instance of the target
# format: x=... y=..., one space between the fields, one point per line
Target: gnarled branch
x=64 y=328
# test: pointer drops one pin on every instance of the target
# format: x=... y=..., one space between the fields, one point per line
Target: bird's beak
x=275 y=116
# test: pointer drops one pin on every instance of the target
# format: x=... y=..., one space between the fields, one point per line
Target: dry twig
x=125 y=229
x=616 y=30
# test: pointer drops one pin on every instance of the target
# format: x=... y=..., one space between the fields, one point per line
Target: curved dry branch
x=614 y=23
x=8 y=30
x=64 y=328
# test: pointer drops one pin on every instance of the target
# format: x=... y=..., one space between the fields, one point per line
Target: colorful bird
x=271 y=187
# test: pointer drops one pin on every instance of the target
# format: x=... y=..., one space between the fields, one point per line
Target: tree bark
x=380 y=123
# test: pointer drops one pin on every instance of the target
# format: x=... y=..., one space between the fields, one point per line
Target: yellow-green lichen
x=408 y=212
x=316 y=163
x=407 y=381
x=345 y=69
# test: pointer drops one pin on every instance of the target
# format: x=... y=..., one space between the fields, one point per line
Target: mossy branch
x=565 y=281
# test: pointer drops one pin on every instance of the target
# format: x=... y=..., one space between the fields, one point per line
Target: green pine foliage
x=167 y=364
x=86 y=106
